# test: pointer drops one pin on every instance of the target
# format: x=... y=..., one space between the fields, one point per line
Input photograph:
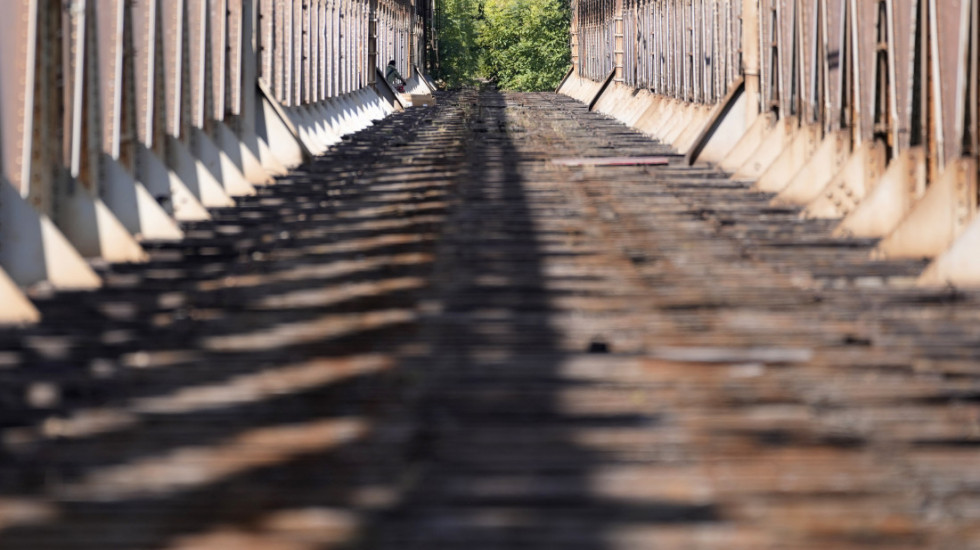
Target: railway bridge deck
x=434 y=336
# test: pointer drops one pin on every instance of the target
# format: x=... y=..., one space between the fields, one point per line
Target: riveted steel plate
x=18 y=41
x=83 y=83
x=950 y=20
x=807 y=21
x=148 y=69
x=218 y=64
x=307 y=51
x=901 y=57
x=786 y=33
x=267 y=42
x=298 y=42
x=865 y=33
x=176 y=71
x=281 y=56
x=110 y=34
x=197 y=29
x=834 y=62
x=768 y=52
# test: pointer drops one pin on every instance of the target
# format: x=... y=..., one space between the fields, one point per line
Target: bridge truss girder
x=864 y=111
x=122 y=118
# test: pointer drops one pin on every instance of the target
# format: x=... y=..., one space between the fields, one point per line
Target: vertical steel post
x=618 y=39
x=372 y=42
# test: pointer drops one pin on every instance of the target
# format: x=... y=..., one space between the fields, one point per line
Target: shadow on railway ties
x=227 y=395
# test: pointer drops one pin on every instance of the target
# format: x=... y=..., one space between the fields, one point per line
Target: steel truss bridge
x=859 y=111
x=718 y=292
x=124 y=118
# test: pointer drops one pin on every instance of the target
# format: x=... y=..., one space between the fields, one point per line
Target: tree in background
x=457 y=23
x=525 y=43
x=520 y=44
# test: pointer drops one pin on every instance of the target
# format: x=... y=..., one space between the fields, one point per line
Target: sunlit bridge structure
x=718 y=290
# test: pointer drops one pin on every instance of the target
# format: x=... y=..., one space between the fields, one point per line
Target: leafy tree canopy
x=520 y=44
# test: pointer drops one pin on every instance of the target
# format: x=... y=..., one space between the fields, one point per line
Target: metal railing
x=862 y=110
x=121 y=118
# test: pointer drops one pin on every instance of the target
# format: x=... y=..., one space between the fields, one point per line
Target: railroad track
x=433 y=337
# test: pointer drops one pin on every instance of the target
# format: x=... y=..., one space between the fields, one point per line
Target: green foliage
x=520 y=44
x=457 y=24
x=525 y=43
